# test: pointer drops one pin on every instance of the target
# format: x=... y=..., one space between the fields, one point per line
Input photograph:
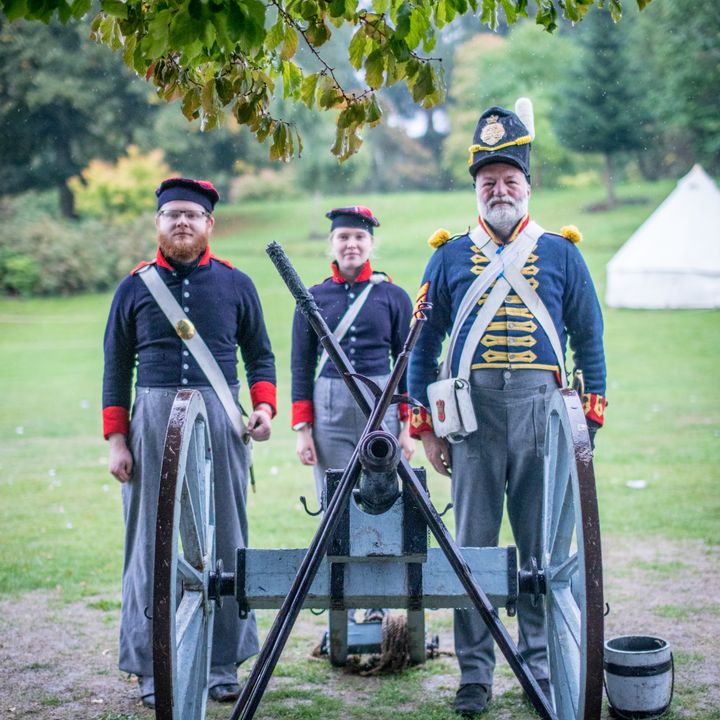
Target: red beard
x=184 y=249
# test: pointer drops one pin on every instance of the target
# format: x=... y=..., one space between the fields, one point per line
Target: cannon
x=371 y=550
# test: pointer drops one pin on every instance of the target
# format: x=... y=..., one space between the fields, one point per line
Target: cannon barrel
x=379 y=486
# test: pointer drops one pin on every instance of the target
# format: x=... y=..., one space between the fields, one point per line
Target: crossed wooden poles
x=262 y=670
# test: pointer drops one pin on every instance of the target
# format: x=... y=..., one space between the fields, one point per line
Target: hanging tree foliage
x=233 y=56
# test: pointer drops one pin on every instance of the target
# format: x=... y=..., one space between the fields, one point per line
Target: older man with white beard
x=510 y=295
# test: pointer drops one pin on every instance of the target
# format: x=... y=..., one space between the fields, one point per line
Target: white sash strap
x=497 y=261
x=196 y=345
x=350 y=314
x=536 y=306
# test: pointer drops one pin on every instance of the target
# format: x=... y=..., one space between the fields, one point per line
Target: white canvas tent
x=673 y=258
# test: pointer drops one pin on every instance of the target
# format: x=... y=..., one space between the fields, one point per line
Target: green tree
x=677 y=46
x=63 y=101
x=491 y=70
x=600 y=108
x=235 y=55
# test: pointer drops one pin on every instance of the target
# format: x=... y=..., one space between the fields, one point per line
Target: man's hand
x=437 y=451
x=121 y=461
x=592 y=427
x=305 y=446
x=407 y=444
x=259 y=424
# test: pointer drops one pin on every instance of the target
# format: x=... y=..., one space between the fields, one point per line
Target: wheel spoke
x=188 y=575
x=566 y=614
x=566 y=675
x=565 y=571
x=189 y=609
x=191 y=521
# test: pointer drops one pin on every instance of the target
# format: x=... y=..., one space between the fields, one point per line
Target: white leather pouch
x=452 y=409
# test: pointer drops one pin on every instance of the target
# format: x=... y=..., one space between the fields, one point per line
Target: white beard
x=503 y=218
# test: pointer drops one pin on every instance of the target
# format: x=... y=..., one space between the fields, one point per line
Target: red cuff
x=420 y=422
x=116 y=419
x=302 y=411
x=264 y=392
x=403 y=410
x=594 y=407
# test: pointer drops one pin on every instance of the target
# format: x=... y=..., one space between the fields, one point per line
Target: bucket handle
x=614 y=712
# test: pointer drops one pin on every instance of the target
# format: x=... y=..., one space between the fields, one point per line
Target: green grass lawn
x=60 y=510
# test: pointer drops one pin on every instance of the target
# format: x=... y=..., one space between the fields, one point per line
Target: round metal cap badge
x=185 y=329
x=493 y=131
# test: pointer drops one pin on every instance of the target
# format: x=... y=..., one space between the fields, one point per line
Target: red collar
x=518 y=229
x=364 y=274
x=162 y=262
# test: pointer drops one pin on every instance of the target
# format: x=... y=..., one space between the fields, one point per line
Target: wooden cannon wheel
x=184 y=558
x=572 y=563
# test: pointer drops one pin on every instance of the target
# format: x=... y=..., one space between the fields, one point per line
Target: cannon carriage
x=371 y=550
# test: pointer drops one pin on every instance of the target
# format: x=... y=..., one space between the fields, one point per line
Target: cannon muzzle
x=379 y=487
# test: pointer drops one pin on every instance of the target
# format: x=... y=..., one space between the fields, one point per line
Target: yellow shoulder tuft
x=571 y=233
x=438 y=238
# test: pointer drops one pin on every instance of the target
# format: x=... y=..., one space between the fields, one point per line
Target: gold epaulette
x=571 y=233
x=438 y=238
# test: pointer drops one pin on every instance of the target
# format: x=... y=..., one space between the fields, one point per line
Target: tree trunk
x=609 y=182
x=67 y=202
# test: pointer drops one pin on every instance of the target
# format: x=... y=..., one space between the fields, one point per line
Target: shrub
x=266 y=184
x=120 y=191
x=53 y=257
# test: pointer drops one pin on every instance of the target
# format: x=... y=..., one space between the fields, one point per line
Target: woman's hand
x=305 y=446
x=407 y=444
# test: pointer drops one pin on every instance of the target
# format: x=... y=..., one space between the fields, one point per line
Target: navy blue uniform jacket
x=222 y=303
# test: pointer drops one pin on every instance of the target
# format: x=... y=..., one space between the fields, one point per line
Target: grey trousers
x=234 y=640
x=502 y=458
x=338 y=425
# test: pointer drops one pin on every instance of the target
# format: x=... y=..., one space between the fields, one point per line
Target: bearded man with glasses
x=221 y=305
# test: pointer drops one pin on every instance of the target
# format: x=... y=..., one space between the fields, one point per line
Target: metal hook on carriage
x=307 y=510
x=447 y=507
x=607 y=609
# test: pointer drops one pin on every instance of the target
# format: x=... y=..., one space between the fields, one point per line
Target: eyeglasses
x=192 y=216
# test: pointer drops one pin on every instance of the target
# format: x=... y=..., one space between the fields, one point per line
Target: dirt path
x=59 y=660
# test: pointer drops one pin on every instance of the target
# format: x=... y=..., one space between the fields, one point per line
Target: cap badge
x=493 y=131
x=185 y=329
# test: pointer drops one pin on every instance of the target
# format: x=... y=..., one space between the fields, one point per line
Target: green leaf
x=80 y=8
x=265 y=127
x=489 y=14
x=275 y=35
x=116 y=8
x=290 y=45
x=299 y=142
x=191 y=104
x=356 y=48
x=373 y=113
x=616 y=10
x=374 y=69
x=15 y=9
x=278 y=147
x=183 y=30
x=511 y=12
x=424 y=84
x=308 y=88
x=329 y=94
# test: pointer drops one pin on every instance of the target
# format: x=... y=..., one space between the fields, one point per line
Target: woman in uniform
x=370 y=315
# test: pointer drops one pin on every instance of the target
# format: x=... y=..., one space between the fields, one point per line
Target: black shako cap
x=357 y=216
x=500 y=136
x=201 y=192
